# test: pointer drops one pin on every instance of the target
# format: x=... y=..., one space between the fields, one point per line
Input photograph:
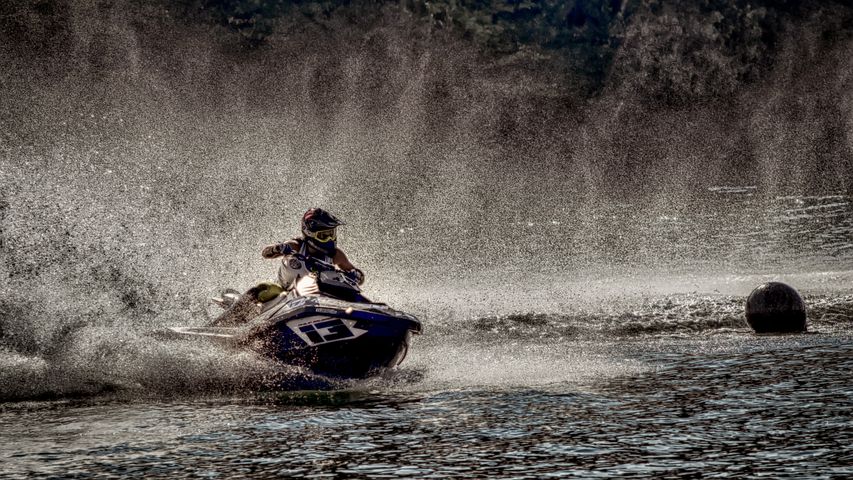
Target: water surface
x=630 y=369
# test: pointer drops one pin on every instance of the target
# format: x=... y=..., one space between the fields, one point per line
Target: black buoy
x=775 y=307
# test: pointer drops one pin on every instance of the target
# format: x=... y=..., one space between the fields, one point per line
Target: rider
x=318 y=241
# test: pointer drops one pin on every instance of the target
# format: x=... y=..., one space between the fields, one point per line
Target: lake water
x=625 y=370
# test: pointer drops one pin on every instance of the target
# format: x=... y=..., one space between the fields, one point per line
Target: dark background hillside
x=628 y=78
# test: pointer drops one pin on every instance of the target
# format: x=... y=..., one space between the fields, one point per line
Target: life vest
x=292 y=269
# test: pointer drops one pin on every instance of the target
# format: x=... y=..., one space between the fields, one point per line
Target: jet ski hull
x=336 y=333
x=334 y=338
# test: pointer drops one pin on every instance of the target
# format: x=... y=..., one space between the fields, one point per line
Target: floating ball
x=775 y=307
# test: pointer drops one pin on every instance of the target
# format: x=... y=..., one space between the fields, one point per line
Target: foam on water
x=82 y=326
x=75 y=341
x=449 y=365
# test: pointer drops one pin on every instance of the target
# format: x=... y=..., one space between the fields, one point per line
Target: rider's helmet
x=318 y=228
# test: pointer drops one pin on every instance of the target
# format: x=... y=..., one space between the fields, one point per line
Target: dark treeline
x=684 y=51
x=595 y=95
x=689 y=51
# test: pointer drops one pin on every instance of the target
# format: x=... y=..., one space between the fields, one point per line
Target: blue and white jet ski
x=335 y=331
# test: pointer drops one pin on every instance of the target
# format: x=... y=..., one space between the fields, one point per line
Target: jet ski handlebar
x=349 y=281
x=314 y=263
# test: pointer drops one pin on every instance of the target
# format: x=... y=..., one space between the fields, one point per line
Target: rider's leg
x=248 y=305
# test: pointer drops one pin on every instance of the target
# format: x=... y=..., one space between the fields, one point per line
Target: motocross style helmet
x=318 y=228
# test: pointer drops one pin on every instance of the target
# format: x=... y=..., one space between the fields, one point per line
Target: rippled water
x=778 y=406
x=624 y=370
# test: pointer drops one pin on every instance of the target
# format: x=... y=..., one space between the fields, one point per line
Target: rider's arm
x=341 y=261
x=280 y=249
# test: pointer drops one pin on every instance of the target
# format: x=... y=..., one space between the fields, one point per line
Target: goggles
x=323 y=235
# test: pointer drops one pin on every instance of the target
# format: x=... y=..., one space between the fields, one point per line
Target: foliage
x=575 y=35
x=680 y=54
x=256 y=20
x=670 y=52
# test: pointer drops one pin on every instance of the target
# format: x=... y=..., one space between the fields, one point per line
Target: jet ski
x=334 y=331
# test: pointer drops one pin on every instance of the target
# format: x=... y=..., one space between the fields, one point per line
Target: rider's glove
x=355 y=275
x=273 y=251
